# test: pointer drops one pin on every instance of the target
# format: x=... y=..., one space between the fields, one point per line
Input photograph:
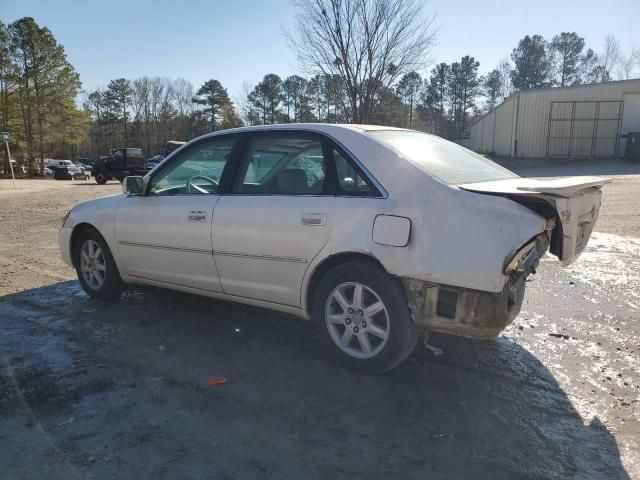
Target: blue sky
x=242 y=40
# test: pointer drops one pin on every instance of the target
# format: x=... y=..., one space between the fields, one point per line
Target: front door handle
x=314 y=219
x=197 y=216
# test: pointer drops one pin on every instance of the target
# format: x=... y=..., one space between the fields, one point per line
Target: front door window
x=196 y=171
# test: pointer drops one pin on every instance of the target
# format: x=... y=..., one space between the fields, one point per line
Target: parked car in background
x=48 y=172
x=82 y=172
x=64 y=169
x=374 y=233
x=153 y=162
x=87 y=162
x=171 y=146
x=18 y=169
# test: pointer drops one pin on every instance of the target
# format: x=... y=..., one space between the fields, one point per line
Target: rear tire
x=362 y=318
x=96 y=269
x=101 y=178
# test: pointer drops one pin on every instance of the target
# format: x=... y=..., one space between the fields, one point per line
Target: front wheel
x=362 y=318
x=96 y=269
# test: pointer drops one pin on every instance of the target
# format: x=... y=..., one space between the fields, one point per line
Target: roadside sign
x=5 y=139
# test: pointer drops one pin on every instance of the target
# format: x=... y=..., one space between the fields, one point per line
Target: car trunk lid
x=574 y=202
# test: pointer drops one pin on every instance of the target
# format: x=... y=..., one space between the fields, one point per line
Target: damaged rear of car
x=506 y=224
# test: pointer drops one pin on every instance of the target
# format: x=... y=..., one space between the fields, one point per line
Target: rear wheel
x=96 y=269
x=362 y=317
x=101 y=178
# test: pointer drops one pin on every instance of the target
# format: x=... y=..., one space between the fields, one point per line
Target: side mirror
x=133 y=185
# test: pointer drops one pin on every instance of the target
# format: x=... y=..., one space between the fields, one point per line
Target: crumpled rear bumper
x=459 y=311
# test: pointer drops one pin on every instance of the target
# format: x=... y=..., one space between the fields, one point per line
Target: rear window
x=441 y=158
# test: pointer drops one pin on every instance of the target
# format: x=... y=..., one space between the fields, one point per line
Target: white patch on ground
x=609 y=260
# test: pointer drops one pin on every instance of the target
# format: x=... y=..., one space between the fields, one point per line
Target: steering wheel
x=191 y=187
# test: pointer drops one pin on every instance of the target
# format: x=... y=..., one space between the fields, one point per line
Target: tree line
x=146 y=112
x=38 y=91
x=362 y=60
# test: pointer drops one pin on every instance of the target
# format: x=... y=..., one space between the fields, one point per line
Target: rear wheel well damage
x=332 y=262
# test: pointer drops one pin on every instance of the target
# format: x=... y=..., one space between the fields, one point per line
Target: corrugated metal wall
x=494 y=133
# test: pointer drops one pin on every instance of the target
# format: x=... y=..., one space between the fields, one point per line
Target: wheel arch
x=329 y=263
x=75 y=235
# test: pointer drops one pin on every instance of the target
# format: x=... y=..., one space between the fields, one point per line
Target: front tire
x=96 y=269
x=362 y=318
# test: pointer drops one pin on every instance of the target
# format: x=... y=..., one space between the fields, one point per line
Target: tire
x=104 y=286
x=390 y=333
x=101 y=178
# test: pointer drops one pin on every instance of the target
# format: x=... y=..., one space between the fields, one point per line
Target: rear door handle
x=197 y=216
x=314 y=219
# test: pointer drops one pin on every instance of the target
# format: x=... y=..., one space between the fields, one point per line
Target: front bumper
x=464 y=312
x=64 y=241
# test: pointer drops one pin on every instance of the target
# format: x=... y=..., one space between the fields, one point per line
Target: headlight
x=65 y=218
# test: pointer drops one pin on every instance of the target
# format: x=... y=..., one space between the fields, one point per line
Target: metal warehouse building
x=584 y=121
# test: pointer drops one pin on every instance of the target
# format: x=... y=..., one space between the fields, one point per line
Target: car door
x=165 y=235
x=275 y=219
x=279 y=214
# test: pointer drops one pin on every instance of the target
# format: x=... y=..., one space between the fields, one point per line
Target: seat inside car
x=292 y=181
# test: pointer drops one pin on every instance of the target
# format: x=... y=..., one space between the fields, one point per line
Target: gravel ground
x=95 y=390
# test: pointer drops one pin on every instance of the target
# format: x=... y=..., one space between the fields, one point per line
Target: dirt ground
x=119 y=390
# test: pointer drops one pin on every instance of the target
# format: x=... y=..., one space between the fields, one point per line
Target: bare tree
x=246 y=109
x=609 y=58
x=627 y=64
x=368 y=43
x=504 y=67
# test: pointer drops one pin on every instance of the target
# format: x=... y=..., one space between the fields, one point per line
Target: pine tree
x=532 y=65
x=493 y=86
x=408 y=88
x=214 y=99
x=266 y=97
x=568 y=60
x=118 y=98
x=294 y=89
x=47 y=84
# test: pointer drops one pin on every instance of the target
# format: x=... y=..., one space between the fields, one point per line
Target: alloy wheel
x=92 y=264
x=357 y=320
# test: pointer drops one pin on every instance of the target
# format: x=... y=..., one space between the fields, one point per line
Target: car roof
x=314 y=127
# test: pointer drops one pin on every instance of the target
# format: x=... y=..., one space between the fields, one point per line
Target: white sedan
x=373 y=233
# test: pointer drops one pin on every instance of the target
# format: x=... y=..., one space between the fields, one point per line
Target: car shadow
x=133 y=376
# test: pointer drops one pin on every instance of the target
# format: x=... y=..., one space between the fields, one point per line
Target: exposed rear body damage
x=574 y=203
x=473 y=313
x=570 y=207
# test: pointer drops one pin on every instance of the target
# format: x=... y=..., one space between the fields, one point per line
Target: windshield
x=441 y=158
x=134 y=152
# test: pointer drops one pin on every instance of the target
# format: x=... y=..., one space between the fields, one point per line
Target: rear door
x=276 y=218
x=165 y=235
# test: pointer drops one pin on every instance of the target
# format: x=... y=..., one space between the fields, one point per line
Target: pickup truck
x=121 y=162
